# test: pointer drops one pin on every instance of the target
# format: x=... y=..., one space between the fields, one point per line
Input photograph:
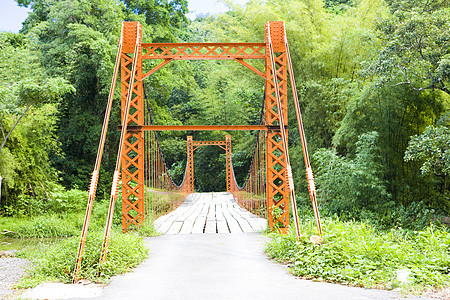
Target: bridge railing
x=252 y=194
x=161 y=194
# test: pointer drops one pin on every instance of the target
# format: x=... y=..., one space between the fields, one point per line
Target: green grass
x=56 y=262
x=54 y=224
x=45 y=226
x=357 y=254
x=51 y=241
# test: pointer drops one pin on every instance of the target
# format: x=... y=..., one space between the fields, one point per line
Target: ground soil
x=11 y=270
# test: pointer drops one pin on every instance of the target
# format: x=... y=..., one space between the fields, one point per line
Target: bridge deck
x=209 y=213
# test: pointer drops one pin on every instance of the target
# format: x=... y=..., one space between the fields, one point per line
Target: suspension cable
x=95 y=173
x=115 y=183
x=309 y=172
x=149 y=112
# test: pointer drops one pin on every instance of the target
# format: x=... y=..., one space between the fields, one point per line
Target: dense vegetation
x=373 y=78
x=357 y=254
x=372 y=75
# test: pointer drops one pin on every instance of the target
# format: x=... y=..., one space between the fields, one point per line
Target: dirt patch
x=11 y=270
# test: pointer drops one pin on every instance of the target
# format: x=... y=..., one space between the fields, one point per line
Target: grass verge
x=56 y=263
x=357 y=254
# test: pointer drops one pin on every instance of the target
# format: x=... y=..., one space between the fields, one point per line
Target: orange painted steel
x=284 y=142
x=277 y=183
x=132 y=158
x=190 y=163
x=203 y=51
x=129 y=77
x=309 y=172
x=194 y=145
x=193 y=51
x=199 y=127
x=277 y=188
x=148 y=190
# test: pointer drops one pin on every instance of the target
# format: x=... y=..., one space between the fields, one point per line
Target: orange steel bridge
x=148 y=190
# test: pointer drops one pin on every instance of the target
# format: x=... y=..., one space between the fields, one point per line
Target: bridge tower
x=132 y=159
x=276 y=181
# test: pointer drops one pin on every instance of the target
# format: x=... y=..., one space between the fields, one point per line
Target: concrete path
x=221 y=266
x=209 y=213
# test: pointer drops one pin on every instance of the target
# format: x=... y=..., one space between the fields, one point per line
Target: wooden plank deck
x=209 y=213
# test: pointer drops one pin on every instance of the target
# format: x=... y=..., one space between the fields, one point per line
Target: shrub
x=69 y=201
x=350 y=187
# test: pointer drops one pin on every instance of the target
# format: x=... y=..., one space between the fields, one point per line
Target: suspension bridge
x=149 y=193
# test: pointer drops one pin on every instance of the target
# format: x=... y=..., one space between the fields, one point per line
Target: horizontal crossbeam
x=201 y=127
x=190 y=51
x=221 y=144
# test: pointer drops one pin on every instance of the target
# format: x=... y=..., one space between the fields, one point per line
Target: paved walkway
x=209 y=213
x=221 y=266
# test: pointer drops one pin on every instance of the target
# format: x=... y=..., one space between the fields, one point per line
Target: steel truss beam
x=192 y=51
x=277 y=184
x=203 y=51
x=201 y=127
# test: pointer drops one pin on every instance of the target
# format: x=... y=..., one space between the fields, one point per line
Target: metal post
x=276 y=181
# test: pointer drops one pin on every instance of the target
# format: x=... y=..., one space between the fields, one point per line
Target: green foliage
x=356 y=254
x=46 y=226
x=433 y=148
x=147 y=230
x=395 y=114
x=361 y=66
x=163 y=16
x=348 y=187
x=125 y=251
x=25 y=158
x=416 y=41
x=62 y=201
x=28 y=107
x=432 y=151
x=77 y=39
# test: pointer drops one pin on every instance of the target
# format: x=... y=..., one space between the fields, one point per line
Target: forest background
x=373 y=81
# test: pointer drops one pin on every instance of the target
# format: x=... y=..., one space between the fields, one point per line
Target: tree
x=165 y=17
x=22 y=83
x=25 y=89
x=352 y=188
x=416 y=50
x=77 y=39
x=431 y=150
